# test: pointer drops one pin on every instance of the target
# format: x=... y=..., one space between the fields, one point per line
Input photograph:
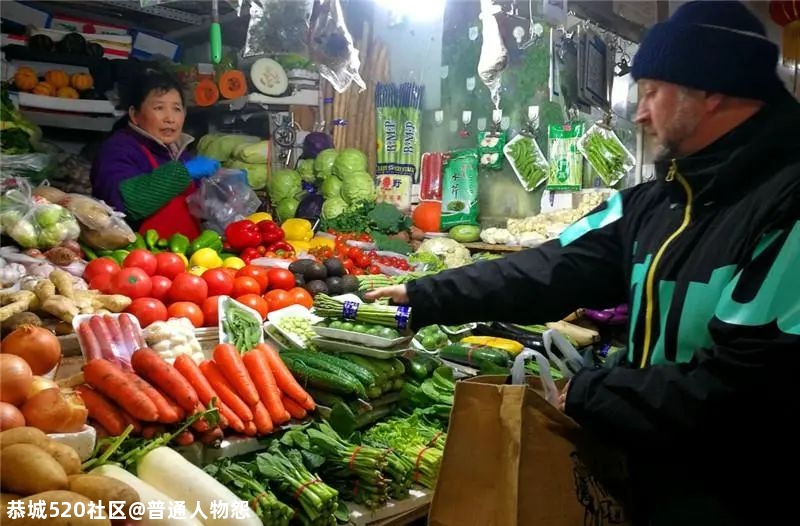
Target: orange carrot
x=186 y=438
x=102 y=410
x=148 y=364
x=166 y=411
x=186 y=366
x=250 y=428
x=268 y=390
x=261 y=419
x=200 y=424
x=294 y=408
x=283 y=377
x=225 y=391
x=131 y=421
x=173 y=406
x=111 y=381
x=227 y=357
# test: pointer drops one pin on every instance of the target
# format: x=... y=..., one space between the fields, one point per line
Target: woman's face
x=161 y=115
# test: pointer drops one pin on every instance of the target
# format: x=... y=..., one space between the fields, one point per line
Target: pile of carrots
x=253 y=393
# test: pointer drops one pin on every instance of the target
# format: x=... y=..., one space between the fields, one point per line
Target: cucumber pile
x=431 y=338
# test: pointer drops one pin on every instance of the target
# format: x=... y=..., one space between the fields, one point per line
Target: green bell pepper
x=119 y=255
x=179 y=244
x=88 y=252
x=163 y=244
x=206 y=239
x=151 y=238
x=138 y=243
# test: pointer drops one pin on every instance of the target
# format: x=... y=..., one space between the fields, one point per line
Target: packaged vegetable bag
x=606 y=153
x=460 y=190
x=566 y=160
x=490 y=149
x=527 y=160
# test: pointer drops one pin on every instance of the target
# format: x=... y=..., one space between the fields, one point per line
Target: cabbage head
x=305 y=167
x=220 y=147
x=331 y=187
x=349 y=161
x=287 y=208
x=24 y=233
x=256 y=173
x=284 y=184
x=358 y=186
x=323 y=164
x=333 y=207
x=256 y=153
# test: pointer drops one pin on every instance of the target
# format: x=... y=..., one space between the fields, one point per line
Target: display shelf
x=304 y=97
x=418 y=498
x=488 y=247
x=70 y=121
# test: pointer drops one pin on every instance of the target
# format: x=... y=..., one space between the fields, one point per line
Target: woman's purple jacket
x=121 y=157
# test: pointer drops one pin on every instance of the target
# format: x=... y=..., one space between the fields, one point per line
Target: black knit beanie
x=714 y=46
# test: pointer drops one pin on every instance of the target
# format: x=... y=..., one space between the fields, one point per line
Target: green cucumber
x=474 y=355
x=320 y=360
x=340 y=383
x=368 y=364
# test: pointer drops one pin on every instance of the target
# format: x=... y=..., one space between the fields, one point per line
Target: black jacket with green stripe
x=708 y=259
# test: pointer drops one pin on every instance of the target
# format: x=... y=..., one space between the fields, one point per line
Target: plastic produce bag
x=460 y=190
x=277 y=26
x=331 y=46
x=222 y=199
x=528 y=162
x=31 y=221
x=36 y=167
x=606 y=153
x=566 y=162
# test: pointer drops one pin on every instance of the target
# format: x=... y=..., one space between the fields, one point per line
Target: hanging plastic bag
x=566 y=162
x=36 y=167
x=277 y=26
x=331 y=46
x=527 y=160
x=606 y=153
x=494 y=55
x=31 y=221
x=222 y=199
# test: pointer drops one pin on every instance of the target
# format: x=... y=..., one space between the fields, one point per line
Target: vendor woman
x=143 y=169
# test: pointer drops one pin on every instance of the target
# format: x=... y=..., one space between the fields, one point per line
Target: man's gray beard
x=664 y=152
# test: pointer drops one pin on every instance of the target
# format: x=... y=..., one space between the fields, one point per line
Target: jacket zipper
x=672 y=175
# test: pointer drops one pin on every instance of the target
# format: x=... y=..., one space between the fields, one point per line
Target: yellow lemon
x=206 y=257
x=185 y=261
x=234 y=263
x=197 y=270
x=259 y=216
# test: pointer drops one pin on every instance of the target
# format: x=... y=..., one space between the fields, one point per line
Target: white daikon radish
x=169 y=472
x=147 y=493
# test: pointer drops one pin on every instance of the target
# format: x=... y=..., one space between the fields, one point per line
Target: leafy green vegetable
x=323 y=164
x=358 y=186
x=384 y=242
x=349 y=160
x=354 y=219
x=333 y=206
x=305 y=167
x=388 y=219
x=287 y=208
x=331 y=187
x=284 y=184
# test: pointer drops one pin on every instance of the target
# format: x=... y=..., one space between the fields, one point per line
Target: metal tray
x=360 y=338
x=340 y=346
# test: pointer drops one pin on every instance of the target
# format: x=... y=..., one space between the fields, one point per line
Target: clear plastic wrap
x=494 y=55
x=31 y=221
x=528 y=162
x=331 y=46
x=36 y=167
x=606 y=153
x=222 y=199
x=277 y=26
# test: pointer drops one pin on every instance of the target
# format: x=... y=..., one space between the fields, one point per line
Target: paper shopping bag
x=512 y=458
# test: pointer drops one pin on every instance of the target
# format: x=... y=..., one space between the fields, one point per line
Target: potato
x=27 y=469
x=66 y=456
x=103 y=489
x=64 y=499
x=24 y=435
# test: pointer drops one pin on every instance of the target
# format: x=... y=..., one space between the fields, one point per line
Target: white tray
x=360 y=338
x=292 y=310
x=340 y=346
x=222 y=303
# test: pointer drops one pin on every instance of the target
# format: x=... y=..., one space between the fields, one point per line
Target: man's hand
x=397 y=293
x=562 y=398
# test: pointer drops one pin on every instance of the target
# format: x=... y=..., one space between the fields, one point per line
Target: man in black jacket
x=707 y=257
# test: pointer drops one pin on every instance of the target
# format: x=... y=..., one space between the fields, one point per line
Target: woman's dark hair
x=136 y=90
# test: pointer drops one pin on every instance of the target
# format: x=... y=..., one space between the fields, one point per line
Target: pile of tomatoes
x=161 y=288
x=357 y=261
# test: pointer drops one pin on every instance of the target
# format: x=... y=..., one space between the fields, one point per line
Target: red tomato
x=102 y=282
x=301 y=296
x=147 y=310
x=186 y=309
x=374 y=269
x=169 y=265
x=143 y=259
x=188 y=287
x=357 y=272
x=278 y=299
x=280 y=279
x=260 y=274
x=220 y=282
x=245 y=285
x=231 y=271
x=348 y=265
x=132 y=282
x=161 y=286
x=255 y=302
x=355 y=253
x=100 y=266
x=210 y=310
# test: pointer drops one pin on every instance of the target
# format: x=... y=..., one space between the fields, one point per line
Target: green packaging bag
x=566 y=160
x=490 y=149
x=460 y=190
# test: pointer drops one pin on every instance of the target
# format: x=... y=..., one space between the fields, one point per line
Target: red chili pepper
x=242 y=234
x=281 y=245
x=270 y=232
x=249 y=254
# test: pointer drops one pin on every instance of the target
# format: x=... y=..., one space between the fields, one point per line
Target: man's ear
x=713 y=102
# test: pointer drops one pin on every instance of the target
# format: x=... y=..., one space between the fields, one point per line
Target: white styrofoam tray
x=292 y=310
x=326 y=344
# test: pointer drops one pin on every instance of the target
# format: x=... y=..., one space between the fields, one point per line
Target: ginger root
x=44 y=289
x=63 y=283
x=61 y=307
x=112 y=302
x=17 y=302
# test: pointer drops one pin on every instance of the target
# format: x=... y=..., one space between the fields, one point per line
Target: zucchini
x=474 y=355
x=343 y=383
x=363 y=375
